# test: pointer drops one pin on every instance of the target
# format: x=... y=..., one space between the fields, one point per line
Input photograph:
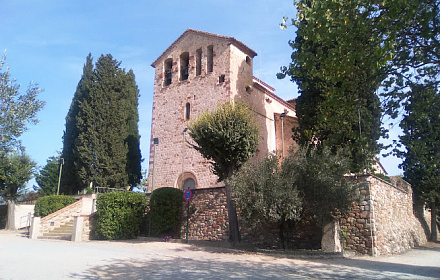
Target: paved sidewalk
x=22 y=258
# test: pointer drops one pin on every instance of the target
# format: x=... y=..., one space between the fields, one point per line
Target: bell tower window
x=210 y=64
x=168 y=66
x=184 y=65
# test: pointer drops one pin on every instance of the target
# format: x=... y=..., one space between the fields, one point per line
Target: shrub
x=47 y=205
x=120 y=215
x=166 y=211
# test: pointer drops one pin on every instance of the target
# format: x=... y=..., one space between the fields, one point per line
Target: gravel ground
x=22 y=258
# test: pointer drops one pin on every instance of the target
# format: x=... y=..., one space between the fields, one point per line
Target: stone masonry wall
x=382 y=220
x=208 y=215
x=60 y=217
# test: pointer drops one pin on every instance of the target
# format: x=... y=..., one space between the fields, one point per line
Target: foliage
x=421 y=138
x=101 y=141
x=320 y=177
x=338 y=62
x=166 y=211
x=15 y=171
x=265 y=192
x=120 y=215
x=47 y=179
x=16 y=109
x=416 y=49
x=227 y=137
x=47 y=205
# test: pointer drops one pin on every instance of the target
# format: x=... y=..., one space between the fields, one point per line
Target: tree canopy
x=421 y=139
x=227 y=137
x=47 y=178
x=266 y=192
x=338 y=67
x=101 y=140
x=17 y=109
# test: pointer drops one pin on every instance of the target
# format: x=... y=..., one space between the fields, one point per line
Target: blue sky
x=47 y=41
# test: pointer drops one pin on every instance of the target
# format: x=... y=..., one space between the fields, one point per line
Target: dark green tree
x=227 y=137
x=103 y=147
x=421 y=139
x=338 y=64
x=70 y=182
x=47 y=179
x=15 y=171
x=265 y=192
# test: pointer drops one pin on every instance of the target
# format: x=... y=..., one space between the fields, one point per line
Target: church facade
x=198 y=72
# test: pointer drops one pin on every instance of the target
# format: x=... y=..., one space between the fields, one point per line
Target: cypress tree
x=104 y=118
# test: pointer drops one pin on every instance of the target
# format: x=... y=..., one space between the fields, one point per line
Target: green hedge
x=166 y=212
x=47 y=205
x=120 y=215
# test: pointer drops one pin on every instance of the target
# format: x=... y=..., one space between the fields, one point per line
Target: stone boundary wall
x=382 y=220
x=208 y=215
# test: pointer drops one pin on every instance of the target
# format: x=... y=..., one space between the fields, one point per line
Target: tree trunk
x=433 y=236
x=281 y=234
x=234 y=232
x=10 y=221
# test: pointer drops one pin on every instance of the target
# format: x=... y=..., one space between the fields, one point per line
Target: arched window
x=198 y=62
x=168 y=66
x=189 y=184
x=184 y=66
x=187 y=111
x=210 y=55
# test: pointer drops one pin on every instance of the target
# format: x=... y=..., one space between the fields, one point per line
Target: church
x=195 y=74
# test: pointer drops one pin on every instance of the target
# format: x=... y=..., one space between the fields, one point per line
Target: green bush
x=120 y=215
x=47 y=205
x=166 y=212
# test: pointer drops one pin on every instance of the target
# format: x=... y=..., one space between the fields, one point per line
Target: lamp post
x=59 y=176
x=183 y=155
x=282 y=115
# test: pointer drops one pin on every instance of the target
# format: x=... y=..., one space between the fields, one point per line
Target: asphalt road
x=22 y=258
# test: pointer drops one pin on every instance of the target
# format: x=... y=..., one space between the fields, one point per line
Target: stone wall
x=208 y=215
x=382 y=220
x=60 y=217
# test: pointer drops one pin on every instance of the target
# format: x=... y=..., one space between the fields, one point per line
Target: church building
x=198 y=72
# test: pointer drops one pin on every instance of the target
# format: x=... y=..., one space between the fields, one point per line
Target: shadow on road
x=186 y=268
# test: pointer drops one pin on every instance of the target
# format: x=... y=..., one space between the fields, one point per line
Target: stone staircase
x=63 y=232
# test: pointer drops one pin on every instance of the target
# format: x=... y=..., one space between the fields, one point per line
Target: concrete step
x=64 y=232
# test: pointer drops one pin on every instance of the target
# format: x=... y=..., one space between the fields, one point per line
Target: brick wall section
x=208 y=215
x=60 y=217
x=382 y=220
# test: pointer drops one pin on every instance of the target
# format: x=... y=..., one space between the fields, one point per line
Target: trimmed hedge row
x=166 y=212
x=120 y=215
x=47 y=205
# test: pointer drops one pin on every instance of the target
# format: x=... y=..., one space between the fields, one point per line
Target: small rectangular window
x=168 y=66
x=221 y=79
x=198 y=62
x=187 y=111
x=210 y=56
